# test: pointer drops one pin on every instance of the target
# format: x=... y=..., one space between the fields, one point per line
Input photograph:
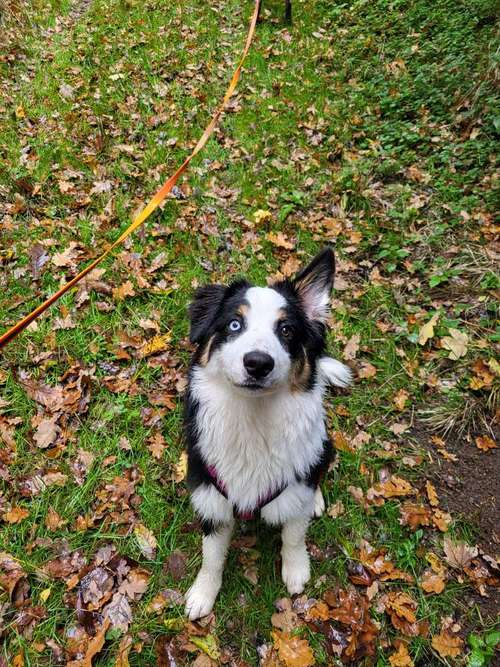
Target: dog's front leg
x=295 y=568
x=201 y=596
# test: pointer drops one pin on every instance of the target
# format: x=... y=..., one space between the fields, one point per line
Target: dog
x=254 y=419
x=288 y=11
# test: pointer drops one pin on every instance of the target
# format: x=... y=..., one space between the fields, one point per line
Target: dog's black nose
x=258 y=364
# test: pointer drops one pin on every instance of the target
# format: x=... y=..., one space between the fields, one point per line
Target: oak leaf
x=292 y=650
x=447 y=645
x=401 y=658
x=351 y=348
x=432 y=582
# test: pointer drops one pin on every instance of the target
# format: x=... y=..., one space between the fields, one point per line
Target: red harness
x=250 y=514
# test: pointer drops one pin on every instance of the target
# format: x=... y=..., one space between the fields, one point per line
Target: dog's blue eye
x=234 y=325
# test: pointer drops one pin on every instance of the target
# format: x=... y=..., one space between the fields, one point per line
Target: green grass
x=331 y=122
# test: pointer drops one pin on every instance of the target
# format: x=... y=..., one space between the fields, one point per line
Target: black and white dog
x=254 y=416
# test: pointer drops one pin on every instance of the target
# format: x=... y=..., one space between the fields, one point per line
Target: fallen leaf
x=94 y=647
x=292 y=650
x=414 y=515
x=146 y=541
x=366 y=370
x=431 y=494
x=46 y=432
x=427 y=331
x=485 y=443
x=156 y=445
x=400 y=399
x=208 y=644
x=458 y=554
x=53 y=521
x=432 y=582
x=175 y=565
x=341 y=443
x=68 y=257
x=123 y=651
x=441 y=520
x=180 y=469
x=447 y=645
x=261 y=216
x=280 y=240
x=123 y=291
x=15 y=515
x=335 y=510
x=456 y=342
x=401 y=658
x=119 y=612
x=351 y=348
x=154 y=345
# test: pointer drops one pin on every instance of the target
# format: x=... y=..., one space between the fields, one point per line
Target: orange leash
x=153 y=204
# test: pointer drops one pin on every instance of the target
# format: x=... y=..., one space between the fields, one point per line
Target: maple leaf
x=447 y=645
x=123 y=291
x=485 y=443
x=146 y=540
x=456 y=343
x=351 y=348
x=401 y=658
x=156 y=445
x=292 y=650
x=458 y=554
x=427 y=331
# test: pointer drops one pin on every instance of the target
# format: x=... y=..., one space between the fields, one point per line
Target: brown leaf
x=441 y=520
x=156 y=445
x=414 y=515
x=400 y=399
x=366 y=370
x=447 y=645
x=458 y=554
x=123 y=651
x=292 y=650
x=94 y=647
x=146 y=540
x=46 y=432
x=432 y=583
x=15 y=515
x=123 y=291
x=394 y=487
x=175 y=565
x=119 y=612
x=401 y=658
x=279 y=240
x=335 y=510
x=68 y=257
x=53 y=521
x=351 y=348
x=485 y=443
x=286 y=620
x=341 y=443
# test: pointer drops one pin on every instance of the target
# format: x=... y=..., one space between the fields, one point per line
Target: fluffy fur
x=254 y=414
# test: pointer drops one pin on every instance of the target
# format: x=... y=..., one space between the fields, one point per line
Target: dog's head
x=259 y=339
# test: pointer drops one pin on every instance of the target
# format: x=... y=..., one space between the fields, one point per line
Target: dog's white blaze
x=257 y=445
x=259 y=334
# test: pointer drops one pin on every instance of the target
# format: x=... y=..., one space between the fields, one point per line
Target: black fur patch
x=319 y=470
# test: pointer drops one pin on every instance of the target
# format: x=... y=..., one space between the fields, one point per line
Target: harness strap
x=244 y=516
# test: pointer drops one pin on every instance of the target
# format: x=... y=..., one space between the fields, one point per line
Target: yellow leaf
x=154 y=345
x=456 y=342
x=431 y=494
x=146 y=540
x=432 y=583
x=123 y=651
x=427 y=331
x=261 y=216
x=181 y=468
x=20 y=113
x=208 y=645
x=15 y=515
x=400 y=399
x=447 y=645
x=44 y=595
x=485 y=443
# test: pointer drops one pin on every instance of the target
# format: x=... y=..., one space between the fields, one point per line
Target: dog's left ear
x=314 y=285
x=203 y=310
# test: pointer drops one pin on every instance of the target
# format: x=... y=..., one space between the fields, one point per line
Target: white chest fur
x=257 y=444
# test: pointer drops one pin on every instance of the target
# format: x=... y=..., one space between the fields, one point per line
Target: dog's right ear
x=203 y=310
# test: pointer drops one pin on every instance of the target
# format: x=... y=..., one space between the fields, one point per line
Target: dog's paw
x=319 y=503
x=200 y=598
x=296 y=573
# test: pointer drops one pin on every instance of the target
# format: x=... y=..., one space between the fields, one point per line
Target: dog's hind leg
x=201 y=596
x=295 y=568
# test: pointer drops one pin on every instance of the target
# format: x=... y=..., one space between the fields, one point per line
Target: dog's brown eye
x=285 y=331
